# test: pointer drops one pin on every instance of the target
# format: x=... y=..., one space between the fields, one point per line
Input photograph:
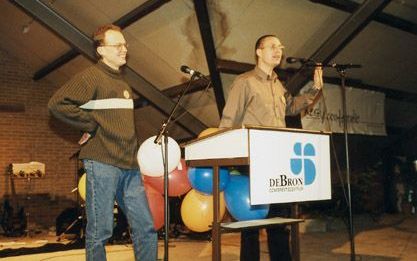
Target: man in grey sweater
x=99 y=103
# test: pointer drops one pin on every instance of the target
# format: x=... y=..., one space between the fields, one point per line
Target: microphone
x=312 y=63
x=188 y=70
x=298 y=60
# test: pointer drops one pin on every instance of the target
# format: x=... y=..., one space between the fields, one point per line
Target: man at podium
x=258 y=98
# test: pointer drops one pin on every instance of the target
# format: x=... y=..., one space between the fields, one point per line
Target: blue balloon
x=237 y=200
x=201 y=179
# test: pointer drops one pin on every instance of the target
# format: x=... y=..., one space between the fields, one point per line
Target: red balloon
x=178 y=183
x=156 y=205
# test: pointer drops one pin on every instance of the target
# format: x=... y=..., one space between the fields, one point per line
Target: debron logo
x=304 y=160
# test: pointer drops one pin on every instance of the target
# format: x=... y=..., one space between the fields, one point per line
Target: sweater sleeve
x=64 y=104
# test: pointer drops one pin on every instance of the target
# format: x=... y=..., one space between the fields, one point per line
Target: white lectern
x=285 y=165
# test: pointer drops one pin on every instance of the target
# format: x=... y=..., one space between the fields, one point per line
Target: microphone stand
x=163 y=133
x=342 y=73
x=341 y=69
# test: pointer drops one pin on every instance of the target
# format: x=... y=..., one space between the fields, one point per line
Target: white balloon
x=150 y=157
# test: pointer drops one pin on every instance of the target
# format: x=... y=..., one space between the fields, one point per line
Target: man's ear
x=258 y=52
x=99 y=50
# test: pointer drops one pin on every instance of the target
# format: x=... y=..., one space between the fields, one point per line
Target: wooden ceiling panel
x=388 y=57
x=87 y=15
x=160 y=43
x=406 y=9
x=301 y=34
x=36 y=46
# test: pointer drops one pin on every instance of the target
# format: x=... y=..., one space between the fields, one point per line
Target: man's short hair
x=100 y=33
x=260 y=41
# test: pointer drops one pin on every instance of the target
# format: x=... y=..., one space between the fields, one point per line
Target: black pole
x=166 y=199
x=341 y=69
x=163 y=134
x=342 y=73
x=164 y=126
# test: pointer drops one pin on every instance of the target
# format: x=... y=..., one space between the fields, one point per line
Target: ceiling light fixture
x=26 y=27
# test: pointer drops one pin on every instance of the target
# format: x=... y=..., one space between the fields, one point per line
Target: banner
x=365 y=111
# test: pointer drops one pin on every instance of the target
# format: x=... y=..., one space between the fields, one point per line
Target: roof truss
x=210 y=51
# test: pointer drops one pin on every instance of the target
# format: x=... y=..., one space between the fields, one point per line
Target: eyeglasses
x=274 y=47
x=119 y=47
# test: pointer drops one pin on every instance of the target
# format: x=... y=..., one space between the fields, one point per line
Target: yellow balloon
x=197 y=210
x=82 y=186
x=207 y=131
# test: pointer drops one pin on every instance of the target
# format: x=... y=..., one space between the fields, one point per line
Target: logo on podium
x=303 y=162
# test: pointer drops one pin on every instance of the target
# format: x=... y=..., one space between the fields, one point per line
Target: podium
x=285 y=165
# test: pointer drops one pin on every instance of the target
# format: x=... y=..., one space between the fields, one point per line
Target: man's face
x=270 y=51
x=113 y=51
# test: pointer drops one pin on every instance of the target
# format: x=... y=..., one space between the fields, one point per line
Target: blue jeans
x=105 y=184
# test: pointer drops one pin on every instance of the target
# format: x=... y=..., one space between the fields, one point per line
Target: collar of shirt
x=263 y=76
x=107 y=69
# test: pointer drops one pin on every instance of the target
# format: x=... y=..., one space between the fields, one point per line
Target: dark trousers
x=278 y=240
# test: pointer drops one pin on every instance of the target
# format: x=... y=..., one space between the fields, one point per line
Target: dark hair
x=260 y=41
x=100 y=33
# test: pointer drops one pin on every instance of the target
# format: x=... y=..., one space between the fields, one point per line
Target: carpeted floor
x=390 y=238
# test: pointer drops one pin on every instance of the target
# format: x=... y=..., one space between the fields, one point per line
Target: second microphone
x=188 y=70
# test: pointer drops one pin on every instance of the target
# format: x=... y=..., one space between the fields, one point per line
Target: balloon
x=177 y=179
x=201 y=179
x=207 y=132
x=82 y=186
x=237 y=200
x=235 y=172
x=150 y=157
x=197 y=210
x=156 y=205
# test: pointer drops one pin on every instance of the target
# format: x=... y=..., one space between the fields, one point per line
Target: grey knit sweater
x=114 y=139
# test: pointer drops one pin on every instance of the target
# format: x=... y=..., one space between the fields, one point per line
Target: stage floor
x=393 y=237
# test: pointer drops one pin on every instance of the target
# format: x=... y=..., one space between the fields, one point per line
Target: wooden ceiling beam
x=175 y=91
x=200 y=7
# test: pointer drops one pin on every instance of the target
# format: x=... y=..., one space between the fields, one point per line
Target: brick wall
x=28 y=133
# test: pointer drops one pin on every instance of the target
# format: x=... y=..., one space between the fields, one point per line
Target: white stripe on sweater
x=114 y=103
